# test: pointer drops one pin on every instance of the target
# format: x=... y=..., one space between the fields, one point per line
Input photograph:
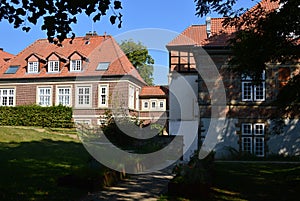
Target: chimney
x=208 y=26
x=88 y=34
x=91 y=33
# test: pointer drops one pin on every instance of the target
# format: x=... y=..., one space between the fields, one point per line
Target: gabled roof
x=154 y=91
x=4 y=57
x=213 y=33
x=95 y=48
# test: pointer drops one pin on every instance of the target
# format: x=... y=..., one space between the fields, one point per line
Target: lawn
x=253 y=182
x=35 y=161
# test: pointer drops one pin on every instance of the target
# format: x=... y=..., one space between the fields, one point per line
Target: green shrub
x=33 y=115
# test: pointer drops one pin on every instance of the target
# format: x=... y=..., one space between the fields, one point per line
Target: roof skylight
x=12 y=70
x=103 y=66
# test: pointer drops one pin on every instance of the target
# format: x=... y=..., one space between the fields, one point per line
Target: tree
x=139 y=56
x=58 y=16
x=264 y=38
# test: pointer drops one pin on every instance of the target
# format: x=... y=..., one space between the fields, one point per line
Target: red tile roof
x=219 y=35
x=153 y=91
x=95 y=48
x=4 y=57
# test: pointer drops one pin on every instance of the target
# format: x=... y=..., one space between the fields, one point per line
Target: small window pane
x=103 y=66
x=12 y=70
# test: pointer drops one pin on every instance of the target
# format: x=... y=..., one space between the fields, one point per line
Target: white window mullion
x=76 y=66
x=259 y=146
x=44 y=96
x=103 y=95
x=63 y=96
x=7 y=97
x=33 y=67
x=247 y=91
x=131 y=97
x=83 y=96
x=259 y=92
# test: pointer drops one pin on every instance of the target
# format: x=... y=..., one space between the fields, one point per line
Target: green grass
x=33 y=159
x=253 y=182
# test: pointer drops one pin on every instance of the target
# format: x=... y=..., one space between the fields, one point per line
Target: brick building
x=248 y=107
x=91 y=74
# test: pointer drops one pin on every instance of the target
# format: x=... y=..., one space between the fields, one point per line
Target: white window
x=131 y=97
x=76 y=65
x=44 y=96
x=33 y=67
x=137 y=100
x=83 y=96
x=103 y=95
x=63 y=96
x=145 y=105
x=252 y=91
x=161 y=104
x=247 y=91
x=7 y=97
x=53 y=66
x=153 y=105
x=253 y=138
x=259 y=92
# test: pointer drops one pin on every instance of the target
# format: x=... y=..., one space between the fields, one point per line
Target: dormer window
x=53 y=66
x=33 y=66
x=76 y=65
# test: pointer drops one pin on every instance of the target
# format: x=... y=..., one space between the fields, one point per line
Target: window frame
x=52 y=65
x=39 y=95
x=33 y=66
x=143 y=105
x=131 y=97
x=100 y=95
x=254 y=137
x=83 y=105
x=76 y=65
x=253 y=97
x=8 y=96
x=64 y=95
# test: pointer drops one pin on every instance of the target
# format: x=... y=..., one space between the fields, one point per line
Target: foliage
x=139 y=56
x=224 y=8
x=288 y=99
x=252 y=181
x=263 y=38
x=33 y=115
x=196 y=171
x=58 y=16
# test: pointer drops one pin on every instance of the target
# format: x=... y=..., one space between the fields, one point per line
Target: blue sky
x=154 y=23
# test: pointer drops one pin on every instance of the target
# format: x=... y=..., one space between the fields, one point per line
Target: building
x=4 y=56
x=91 y=74
x=249 y=112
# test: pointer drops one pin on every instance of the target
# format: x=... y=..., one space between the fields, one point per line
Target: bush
x=33 y=115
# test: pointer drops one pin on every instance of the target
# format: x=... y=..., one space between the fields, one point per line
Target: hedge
x=34 y=115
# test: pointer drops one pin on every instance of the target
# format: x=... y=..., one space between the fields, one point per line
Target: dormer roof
x=98 y=49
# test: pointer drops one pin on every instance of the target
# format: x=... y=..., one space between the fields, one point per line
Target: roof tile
x=219 y=35
x=154 y=91
x=96 y=49
x=4 y=57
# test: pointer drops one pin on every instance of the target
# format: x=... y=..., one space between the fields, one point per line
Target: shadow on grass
x=247 y=181
x=31 y=170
